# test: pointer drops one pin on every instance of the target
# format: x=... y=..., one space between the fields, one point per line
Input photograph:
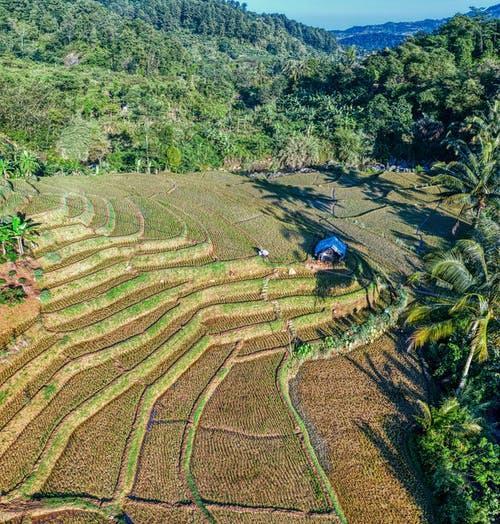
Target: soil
x=24 y=269
x=13 y=316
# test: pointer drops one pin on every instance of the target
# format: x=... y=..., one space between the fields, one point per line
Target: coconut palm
x=449 y=416
x=458 y=288
x=297 y=69
x=473 y=180
x=488 y=127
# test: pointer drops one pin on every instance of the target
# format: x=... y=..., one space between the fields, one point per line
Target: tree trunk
x=20 y=246
x=480 y=209
x=465 y=373
x=4 y=250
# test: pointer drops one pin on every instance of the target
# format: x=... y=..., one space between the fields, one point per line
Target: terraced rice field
x=365 y=447
x=149 y=383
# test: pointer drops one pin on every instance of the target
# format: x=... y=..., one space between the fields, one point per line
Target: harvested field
x=248 y=400
x=159 y=478
x=146 y=380
x=155 y=514
x=359 y=408
x=70 y=517
x=178 y=402
x=91 y=462
x=253 y=472
x=240 y=516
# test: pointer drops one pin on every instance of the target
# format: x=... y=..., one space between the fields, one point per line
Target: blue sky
x=339 y=14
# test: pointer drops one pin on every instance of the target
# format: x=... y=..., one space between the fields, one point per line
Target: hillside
x=392 y=34
x=145 y=35
x=89 y=87
x=154 y=381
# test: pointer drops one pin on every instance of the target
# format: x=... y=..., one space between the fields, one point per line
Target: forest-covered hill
x=392 y=34
x=190 y=84
x=144 y=35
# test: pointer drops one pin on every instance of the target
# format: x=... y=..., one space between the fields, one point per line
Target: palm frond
x=453 y=271
x=449 y=405
x=426 y=419
x=466 y=429
x=416 y=278
x=479 y=338
x=418 y=314
x=473 y=251
x=433 y=332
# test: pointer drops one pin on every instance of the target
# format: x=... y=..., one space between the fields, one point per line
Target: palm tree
x=473 y=180
x=459 y=288
x=22 y=231
x=449 y=416
x=296 y=69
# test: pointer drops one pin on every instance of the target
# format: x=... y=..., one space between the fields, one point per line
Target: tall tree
x=473 y=180
x=458 y=288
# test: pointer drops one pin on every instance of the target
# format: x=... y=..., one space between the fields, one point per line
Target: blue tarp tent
x=332 y=244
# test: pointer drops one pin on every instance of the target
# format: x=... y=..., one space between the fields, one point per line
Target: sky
x=340 y=14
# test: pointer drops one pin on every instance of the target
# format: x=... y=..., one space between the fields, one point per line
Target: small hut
x=331 y=250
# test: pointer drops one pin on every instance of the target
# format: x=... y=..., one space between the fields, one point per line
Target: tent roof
x=332 y=243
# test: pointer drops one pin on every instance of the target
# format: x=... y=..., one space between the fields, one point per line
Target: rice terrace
x=151 y=381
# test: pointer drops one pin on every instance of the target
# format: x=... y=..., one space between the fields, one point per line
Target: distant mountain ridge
x=392 y=34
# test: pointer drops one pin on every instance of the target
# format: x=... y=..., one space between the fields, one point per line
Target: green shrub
x=304 y=351
x=45 y=296
x=38 y=273
x=12 y=273
x=12 y=295
x=174 y=157
x=22 y=280
x=53 y=257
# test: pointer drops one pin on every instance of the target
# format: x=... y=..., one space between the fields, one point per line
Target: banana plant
x=5 y=168
x=27 y=164
x=5 y=235
x=23 y=231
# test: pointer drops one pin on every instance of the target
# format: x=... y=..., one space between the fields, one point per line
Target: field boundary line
x=268 y=510
x=153 y=393
x=192 y=427
x=59 y=328
x=284 y=387
x=255 y=436
x=85 y=255
x=259 y=354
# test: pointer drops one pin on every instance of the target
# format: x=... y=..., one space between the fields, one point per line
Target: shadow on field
x=401 y=230
x=425 y=219
x=402 y=463
x=278 y=193
x=396 y=393
x=393 y=436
